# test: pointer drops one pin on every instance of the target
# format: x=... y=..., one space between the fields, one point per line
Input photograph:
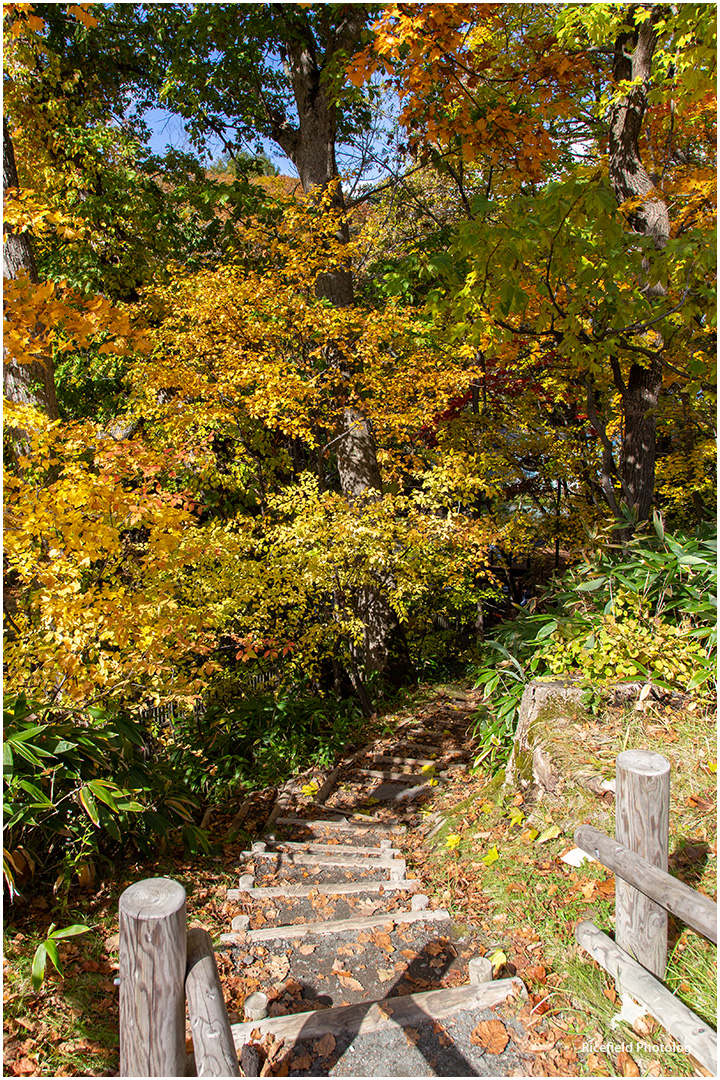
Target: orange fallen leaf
x=24 y=1067
x=491 y=1035
x=325 y=1046
x=627 y=1064
x=383 y=941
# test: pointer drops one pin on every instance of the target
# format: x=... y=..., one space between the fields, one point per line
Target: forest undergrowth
x=494 y=862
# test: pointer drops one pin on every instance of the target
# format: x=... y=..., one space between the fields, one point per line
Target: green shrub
x=644 y=611
x=77 y=784
x=256 y=741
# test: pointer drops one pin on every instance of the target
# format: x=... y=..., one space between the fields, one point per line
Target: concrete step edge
x=408 y=885
x=372 y=1016
x=278 y=846
x=310 y=858
x=339 y=926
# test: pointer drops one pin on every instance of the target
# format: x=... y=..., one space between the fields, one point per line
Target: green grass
x=528 y=885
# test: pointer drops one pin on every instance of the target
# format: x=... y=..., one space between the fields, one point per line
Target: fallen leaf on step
x=304 y=1061
x=443 y=1037
x=348 y=983
x=385 y=1010
x=386 y=974
x=383 y=941
x=412 y=1035
x=275 y=1049
x=305 y=950
x=434 y=948
x=491 y=1035
x=325 y=1046
x=279 y=967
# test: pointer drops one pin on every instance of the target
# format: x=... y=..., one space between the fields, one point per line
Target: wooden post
x=642 y=825
x=153 y=949
x=209 y=1023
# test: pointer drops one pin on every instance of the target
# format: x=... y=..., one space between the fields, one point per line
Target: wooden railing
x=161 y=964
x=644 y=894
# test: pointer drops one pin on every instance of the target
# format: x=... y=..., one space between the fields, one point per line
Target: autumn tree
x=278 y=72
x=575 y=264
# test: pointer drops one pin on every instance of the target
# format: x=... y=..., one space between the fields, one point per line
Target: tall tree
x=276 y=71
x=570 y=254
x=30 y=383
x=640 y=389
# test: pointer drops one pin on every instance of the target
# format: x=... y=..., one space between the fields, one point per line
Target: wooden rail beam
x=692 y=1033
x=694 y=909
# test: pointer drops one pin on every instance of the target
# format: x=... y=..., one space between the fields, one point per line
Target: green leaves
x=48 y=948
x=74 y=784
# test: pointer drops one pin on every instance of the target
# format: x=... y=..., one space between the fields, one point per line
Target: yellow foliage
x=96 y=549
x=45 y=316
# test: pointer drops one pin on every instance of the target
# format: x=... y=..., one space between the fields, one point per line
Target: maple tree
x=344 y=412
x=569 y=255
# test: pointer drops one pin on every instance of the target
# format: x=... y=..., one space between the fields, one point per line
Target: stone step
x=384 y=791
x=424 y=748
x=329 y=849
x=370 y=1017
x=266 y=875
x=370 y=887
x=339 y=926
x=340 y=826
x=317 y=907
x=360 y=964
x=312 y=858
x=409 y=761
x=406 y=778
x=350 y=813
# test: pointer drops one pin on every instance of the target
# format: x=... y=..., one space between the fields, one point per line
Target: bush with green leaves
x=78 y=784
x=643 y=611
x=244 y=743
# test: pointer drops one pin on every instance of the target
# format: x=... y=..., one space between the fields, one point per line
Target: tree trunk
x=640 y=394
x=311 y=148
x=26 y=384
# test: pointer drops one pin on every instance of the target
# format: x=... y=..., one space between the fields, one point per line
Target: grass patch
x=497 y=861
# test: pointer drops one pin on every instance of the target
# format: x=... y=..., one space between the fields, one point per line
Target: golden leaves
x=98 y=547
x=45 y=316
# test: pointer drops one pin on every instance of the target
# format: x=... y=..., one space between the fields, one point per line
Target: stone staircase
x=365 y=976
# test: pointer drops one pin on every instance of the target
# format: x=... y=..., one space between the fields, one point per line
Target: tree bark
x=34 y=383
x=641 y=392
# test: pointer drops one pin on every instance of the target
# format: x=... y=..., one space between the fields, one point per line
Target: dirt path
x=349 y=968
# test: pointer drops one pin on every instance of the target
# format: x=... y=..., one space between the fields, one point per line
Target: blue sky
x=168 y=129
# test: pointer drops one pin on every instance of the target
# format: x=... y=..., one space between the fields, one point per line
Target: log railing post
x=153 y=949
x=642 y=825
x=209 y=1022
